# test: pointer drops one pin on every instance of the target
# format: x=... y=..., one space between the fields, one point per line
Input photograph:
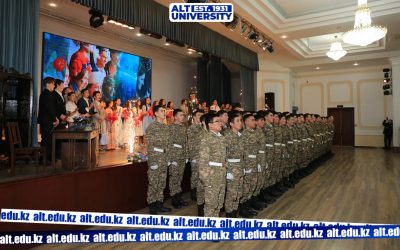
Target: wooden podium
x=79 y=148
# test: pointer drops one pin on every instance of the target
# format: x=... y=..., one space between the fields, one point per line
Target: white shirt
x=71 y=107
x=87 y=101
x=214 y=108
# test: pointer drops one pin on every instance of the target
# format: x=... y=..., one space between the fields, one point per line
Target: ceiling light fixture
x=96 y=18
x=364 y=33
x=232 y=25
x=284 y=36
x=244 y=28
x=53 y=5
x=355 y=64
x=317 y=68
x=336 y=52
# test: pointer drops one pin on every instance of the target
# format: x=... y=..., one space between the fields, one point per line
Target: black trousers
x=47 y=133
x=388 y=140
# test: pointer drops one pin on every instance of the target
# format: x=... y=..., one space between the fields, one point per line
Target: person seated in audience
x=170 y=111
x=214 y=106
x=184 y=107
x=204 y=107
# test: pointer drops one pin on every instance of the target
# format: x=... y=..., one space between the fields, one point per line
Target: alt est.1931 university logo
x=201 y=12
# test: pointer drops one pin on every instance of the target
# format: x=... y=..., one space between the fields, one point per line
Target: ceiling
x=290 y=8
x=309 y=26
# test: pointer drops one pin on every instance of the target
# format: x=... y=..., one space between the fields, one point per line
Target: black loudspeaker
x=295 y=109
x=270 y=100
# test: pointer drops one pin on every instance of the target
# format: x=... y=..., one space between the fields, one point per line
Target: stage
x=115 y=186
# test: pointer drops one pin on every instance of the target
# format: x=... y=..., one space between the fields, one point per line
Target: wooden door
x=344 y=126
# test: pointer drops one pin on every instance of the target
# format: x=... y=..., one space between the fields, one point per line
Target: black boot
x=232 y=214
x=161 y=208
x=260 y=199
x=267 y=197
x=153 y=208
x=200 y=210
x=287 y=183
x=281 y=188
x=250 y=209
x=255 y=204
x=244 y=212
x=175 y=201
x=273 y=191
x=193 y=194
x=181 y=201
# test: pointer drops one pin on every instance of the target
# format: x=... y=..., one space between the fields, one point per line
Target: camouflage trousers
x=157 y=176
x=194 y=179
x=260 y=179
x=175 y=174
x=213 y=180
x=234 y=187
x=301 y=155
x=249 y=180
x=278 y=163
x=268 y=172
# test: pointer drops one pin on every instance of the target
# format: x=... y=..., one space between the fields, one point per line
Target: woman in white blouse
x=71 y=108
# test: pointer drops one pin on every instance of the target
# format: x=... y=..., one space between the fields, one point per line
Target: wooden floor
x=356 y=185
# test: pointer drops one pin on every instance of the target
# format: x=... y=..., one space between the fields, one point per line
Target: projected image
x=84 y=65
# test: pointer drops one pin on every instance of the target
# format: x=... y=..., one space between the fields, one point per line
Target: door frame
x=340 y=109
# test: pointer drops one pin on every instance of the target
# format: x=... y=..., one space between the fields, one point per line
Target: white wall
x=172 y=74
x=274 y=78
x=360 y=88
x=315 y=91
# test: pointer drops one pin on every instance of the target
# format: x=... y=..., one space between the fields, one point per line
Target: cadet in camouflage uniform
x=292 y=149
x=234 y=155
x=157 y=137
x=270 y=169
x=200 y=187
x=261 y=159
x=296 y=142
x=250 y=166
x=331 y=130
x=223 y=116
x=178 y=154
x=279 y=151
x=212 y=166
x=300 y=156
x=194 y=133
x=285 y=153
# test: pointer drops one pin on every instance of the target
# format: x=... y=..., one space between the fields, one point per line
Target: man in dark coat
x=47 y=114
x=388 y=132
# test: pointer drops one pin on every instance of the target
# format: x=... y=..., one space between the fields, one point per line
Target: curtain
x=19 y=21
x=202 y=83
x=155 y=18
x=247 y=82
x=226 y=85
x=215 y=77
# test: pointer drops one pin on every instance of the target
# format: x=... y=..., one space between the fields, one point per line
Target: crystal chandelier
x=363 y=33
x=336 y=52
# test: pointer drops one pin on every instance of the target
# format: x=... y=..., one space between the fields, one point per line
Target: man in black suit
x=59 y=104
x=84 y=104
x=47 y=114
x=388 y=132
